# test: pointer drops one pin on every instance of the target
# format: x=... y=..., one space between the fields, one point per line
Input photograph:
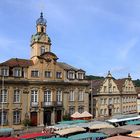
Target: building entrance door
x=34 y=118
x=110 y=112
x=58 y=115
x=47 y=117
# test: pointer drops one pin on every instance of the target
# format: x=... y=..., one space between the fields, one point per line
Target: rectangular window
x=71 y=75
x=71 y=110
x=34 y=96
x=110 y=101
x=5 y=72
x=3 y=118
x=81 y=96
x=34 y=73
x=71 y=95
x=16 y=117
x=16 y=96
x=59 y=75
x=59 y=96
x=81 y=109
x=80 y=75
x=3 y=96
x=47 y=96
x=17 y=72
x=48 y=74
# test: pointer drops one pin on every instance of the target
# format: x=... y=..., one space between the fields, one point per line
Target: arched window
x=42 y=50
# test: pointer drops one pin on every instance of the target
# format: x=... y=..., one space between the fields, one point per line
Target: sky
x=94 y=35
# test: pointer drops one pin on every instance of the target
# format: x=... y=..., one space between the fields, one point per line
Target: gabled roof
x=96 y=84
x=17 y=62
x=120 y=83
x=66 y=66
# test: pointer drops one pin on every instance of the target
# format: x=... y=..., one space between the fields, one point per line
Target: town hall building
x=40 y=88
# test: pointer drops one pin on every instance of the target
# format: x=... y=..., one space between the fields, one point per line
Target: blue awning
x=88 y=135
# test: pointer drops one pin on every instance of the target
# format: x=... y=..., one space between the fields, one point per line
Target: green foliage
x=91 y=77
x=26 y=122
x=66 y=117
x=137 y=82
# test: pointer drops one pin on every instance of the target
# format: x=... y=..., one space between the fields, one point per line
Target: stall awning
x=121 y=138
x=100 y=126
x=135 y=134
x=87 y=135
x=136 y=122
x=86 y=114
x=114 y=131
x=76 y=115
x=69 y=131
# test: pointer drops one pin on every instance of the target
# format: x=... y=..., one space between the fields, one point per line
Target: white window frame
x=4 y=71
x=16 y=117
x=4 y=96
x=16 y=96
x=17 y=72
x=47 y=95
x=71 y=74
x=58 y=74
x=71 y=95
x=81 y=95
x=48 y=74
x=80 y=75
x=4 y=116
x=34 y=73
x=59 y=95
x=34 y=96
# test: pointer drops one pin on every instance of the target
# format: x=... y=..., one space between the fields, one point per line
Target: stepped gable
x=17 y=62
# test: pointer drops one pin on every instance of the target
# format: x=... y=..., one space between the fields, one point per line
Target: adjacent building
x=112 y=97
x=40 y=88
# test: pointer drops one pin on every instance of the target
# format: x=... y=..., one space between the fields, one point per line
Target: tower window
x=42 y=50
x=42 y=29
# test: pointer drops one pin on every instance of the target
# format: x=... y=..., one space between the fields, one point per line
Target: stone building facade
x=40 y=88
x=112 y=97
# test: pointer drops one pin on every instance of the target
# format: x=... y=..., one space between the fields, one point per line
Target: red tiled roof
x=13 y=62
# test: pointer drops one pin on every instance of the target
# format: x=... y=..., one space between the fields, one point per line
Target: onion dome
x=41 y=20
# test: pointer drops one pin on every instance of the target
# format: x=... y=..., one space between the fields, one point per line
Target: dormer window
x=42 y=50
x=71 y=75
x=4 y=72
x=80 y=75
x=17 y=72
x=58 y=75
x=34 y=73
x=48 y=74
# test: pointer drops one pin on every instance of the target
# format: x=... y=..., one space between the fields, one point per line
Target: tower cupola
x=41 y=24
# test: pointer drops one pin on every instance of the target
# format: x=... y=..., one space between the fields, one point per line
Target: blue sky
x=95 y=35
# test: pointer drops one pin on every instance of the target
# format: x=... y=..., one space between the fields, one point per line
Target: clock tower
x=40 y=42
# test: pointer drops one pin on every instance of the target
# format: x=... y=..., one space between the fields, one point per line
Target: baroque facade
x=40 y=88
x=112 y=97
